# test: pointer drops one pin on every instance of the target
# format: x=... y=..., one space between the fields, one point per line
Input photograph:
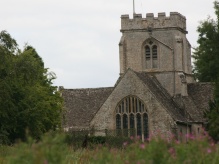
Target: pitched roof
x=82 y=104
x=162 y=96
x=201 y=93
x=182 y=108
x=195 y=114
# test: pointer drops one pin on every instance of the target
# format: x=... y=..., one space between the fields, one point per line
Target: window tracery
x=131 y=115
x=151 y=55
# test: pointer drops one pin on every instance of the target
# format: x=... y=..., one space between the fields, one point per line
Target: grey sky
x=78 y=39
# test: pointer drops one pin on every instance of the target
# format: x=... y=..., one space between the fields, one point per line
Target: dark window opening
x=131 y=117
x=151 y=56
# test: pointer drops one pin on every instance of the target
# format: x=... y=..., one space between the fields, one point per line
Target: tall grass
x=53 y=149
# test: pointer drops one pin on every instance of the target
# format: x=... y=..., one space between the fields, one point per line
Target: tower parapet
x=175 y=20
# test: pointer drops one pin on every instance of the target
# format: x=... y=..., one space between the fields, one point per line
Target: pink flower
x=148 y=139
x=208 y=150
x=191 y=136
x=131 y=137
x=177 y=142
x=125 y=143
x=142 y=146
x=172 y=151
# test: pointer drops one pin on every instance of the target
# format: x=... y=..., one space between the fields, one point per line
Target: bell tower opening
x=150 y=55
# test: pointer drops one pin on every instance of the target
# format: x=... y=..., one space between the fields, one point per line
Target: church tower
x=158 y=46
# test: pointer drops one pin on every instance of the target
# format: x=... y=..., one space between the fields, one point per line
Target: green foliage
x=213 y=123
x=53 y=149
x=207 y=68
x=206 y=55
x=77 y=139
x=28 y=101
x=157 y=150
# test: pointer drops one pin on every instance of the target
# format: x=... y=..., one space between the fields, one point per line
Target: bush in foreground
x=54 y=149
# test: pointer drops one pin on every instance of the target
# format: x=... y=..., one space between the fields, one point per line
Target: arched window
x=131 y=117
x=151 y=55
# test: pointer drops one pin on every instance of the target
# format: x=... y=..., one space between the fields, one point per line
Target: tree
x=206 y=57
x=28 y=101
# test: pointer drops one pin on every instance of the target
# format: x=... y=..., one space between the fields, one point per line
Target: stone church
x=155 y=91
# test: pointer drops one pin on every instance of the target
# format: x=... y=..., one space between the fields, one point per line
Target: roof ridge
x=161 y=94
x=84 y=89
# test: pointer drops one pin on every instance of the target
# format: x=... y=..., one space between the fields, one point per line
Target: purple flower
x=142 y=146
x=187 y=135
x=172 y=151
x=177 y=142
x=208 y=150
x=191 y=136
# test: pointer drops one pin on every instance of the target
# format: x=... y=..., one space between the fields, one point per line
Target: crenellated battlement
x=175 y=20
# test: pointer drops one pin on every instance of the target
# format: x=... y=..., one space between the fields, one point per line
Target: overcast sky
x=78 y=39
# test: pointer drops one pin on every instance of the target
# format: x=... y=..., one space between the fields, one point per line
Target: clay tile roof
x=82 y=104
x=162 y=96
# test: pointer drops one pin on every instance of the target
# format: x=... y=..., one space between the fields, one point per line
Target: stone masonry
x=173 y=100
x=174 y=54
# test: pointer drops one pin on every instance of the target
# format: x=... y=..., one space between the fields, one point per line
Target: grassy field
x=53 y=149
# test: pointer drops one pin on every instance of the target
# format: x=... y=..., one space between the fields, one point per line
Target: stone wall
x=162 y=21
x=174 y=50
x=130 y=84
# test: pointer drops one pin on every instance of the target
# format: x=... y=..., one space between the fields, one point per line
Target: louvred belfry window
x=151 y=55
x=132 y=117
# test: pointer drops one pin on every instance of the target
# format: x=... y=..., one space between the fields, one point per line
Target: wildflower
x=45 y=162
x=212 y=144
x=172 y=151
x=148 y=139
x=187 y=135
x=191 y=136
x=208 y=150
x=125 y=143
x=131 y=137
x=177 y=142
x=142 y=146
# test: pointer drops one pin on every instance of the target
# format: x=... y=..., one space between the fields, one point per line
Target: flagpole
x=133 y=7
